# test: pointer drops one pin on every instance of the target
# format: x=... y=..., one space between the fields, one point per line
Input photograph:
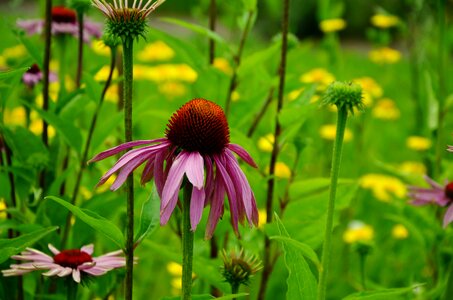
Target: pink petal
x=195 y=169
x=76 y=275
x=216 y=211
x=448 y=216
x=242 y=154
x=432 y=183
x=52 y=249
x=174 y=179
x=196 y=206
x=209 y=179
x=165 y=212
x=128 y=169
x=159 y=172
x=147 y=173
x=88 y=249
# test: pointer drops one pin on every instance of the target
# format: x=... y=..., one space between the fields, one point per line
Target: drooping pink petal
x=128 y=169
x=31 y=27
x=159 y=177
x=88 y=249
x=148 y=171
x=174 y=179
x=216 y=211
x=122 y=147
x=209 y=186
x=76 y=275
x=65 y=272
x=51 y=247
x=196 y=206
x=242 y=154
x=432 y=183
x=195 y=169
x=448 y=216
x=165 y=212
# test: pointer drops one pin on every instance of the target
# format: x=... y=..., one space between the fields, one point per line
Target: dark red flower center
x=199 y=125
x=61 y=14
x=449 y=191
x=34 y=69
x=72 y=258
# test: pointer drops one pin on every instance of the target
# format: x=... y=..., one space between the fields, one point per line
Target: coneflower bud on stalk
x=238 y=268
x=346 y=96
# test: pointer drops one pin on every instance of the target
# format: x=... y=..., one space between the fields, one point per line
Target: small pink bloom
x=197 y=146
x=34 y=75
x=73 y=262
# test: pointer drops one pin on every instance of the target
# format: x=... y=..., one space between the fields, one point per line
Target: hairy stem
x=187 y=245
x=336 y=161
x=267 y=261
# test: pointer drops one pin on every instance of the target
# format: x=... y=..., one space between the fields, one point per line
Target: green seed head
x=344 y=95
x=238 y=268
x=128 y=24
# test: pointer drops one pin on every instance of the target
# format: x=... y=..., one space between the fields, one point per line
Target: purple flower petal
x=31 y=26
x=174 y=179
x=148 y=171
x=128 y=169
x=159 y=178
x=448 y=216
x=196 y=206
x=195 y=169
x=209 y=179
x=216 y=211
x=165 y=212
x=242 y=154
x=76 y=275
x=88 y=249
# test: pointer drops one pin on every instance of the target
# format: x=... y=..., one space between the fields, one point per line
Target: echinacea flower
x=34 y=75
x=66 y=262
x=197 y=139
x=64 y=21
x=441 y=195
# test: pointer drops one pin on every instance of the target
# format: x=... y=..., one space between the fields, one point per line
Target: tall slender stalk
x=83 y=160
x=212 y=25
x=80 y=18
x=128 y=81
x=237 y=60
x=336 y=160
x=187 y=245
x=267 y=261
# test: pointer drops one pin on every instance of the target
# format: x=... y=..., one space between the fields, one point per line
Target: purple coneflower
x=34 y=75
x=197 y=139
x=64 y=21
x=450 y=148
x=437 y=194
x=66 y=262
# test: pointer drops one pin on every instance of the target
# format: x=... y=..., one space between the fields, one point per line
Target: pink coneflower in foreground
x=64 y=21
x=197 y=144
x=66 y=262
x=34 y=75
x=437 y=194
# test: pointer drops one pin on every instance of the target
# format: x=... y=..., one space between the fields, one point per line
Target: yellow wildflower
x=103 y=74
x=16 y=116
x=358 y=231
x=266 y=143
x=281 y=170
x=36 y=128
x=166 y=72
x=293 y=95
x=54 y=65
x=174 y=268
x=157 y=51
x=223 y=65
x=86 y=193
x=100 y=48
x=54 y=88
x=370 y=89
x=329 y=132
x=14 y=52
x=319 y=76
x=2 y=209
x=235 y=96
x=384 y=21
x=262 y=215
x=176 y=284
x=418 y=143
x=105 y=187
x=315 y=98
x=172 y=89
x=3 y=64
x=386 y=109
x=413 y=167
x=332 y=25
x=383 y=186
x=400 y=232
x=112 y=93
x=384 y=55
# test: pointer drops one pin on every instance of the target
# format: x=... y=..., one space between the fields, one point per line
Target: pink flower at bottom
x=66 y=262
x=437 y=194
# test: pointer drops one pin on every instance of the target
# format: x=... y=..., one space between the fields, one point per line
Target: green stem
x=336 y=160
x=234 y=289
x=362 y=257
x=72 y=289
x=80 y=47
x=62 y=39
x=212 y=23
x=449 y=288
x=187 y=245
x=128 y=81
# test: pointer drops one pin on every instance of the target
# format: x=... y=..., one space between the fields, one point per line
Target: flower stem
x=80 y=18
x=449 y=288
x=336 y=160
x=128 y=81
x=234 y=289
x=212 y=23
x=72 y=289
x=187 y=245
x=267 y=260
x=362 y=257
x=82 y=166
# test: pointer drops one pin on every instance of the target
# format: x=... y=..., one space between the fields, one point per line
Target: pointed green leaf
x=306 y=250
x=381 y=294
x=149 y=217
x=95 y=221
x=9 y=247
x=12 y=73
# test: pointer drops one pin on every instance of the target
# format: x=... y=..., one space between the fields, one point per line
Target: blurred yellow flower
x=157 y=51
x=370 y=89
x=223 y=65
x=100 y=48
x=383 y=186
x=384 y=55
x=400 y=232
x=16 y=116
x=174 y=268
x=319 y=76
x=384 y=21
x=418 y=143
x=315 y=98
x=3 y=64
x=235 y=96
x=112 y=93
x=166 y=72
x=36 y=128
x=2 y=209
x=105 y=187
x=54 y=65
x=386 y=109
x=262 y=215
x=358 y=231
x=266 y=143
x=293 y=95
x=14 y=52
x=413 y=167
x=172 y=89
x=86 y=193
x=281 y=170
x=176 y=284
x=54 y=88
x=329 y=132
x=332 y=25
x=103 y=74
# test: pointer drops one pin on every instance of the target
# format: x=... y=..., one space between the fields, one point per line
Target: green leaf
x=301 y=281
x=94 y=220
x=13 y=246
x=9 y=74
x=249 y=64
x=93 y=88
x=306 y=250
x=149 y=217
x=432 y=105
x=68 y=131
x=35 y=52
x=381 y=294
